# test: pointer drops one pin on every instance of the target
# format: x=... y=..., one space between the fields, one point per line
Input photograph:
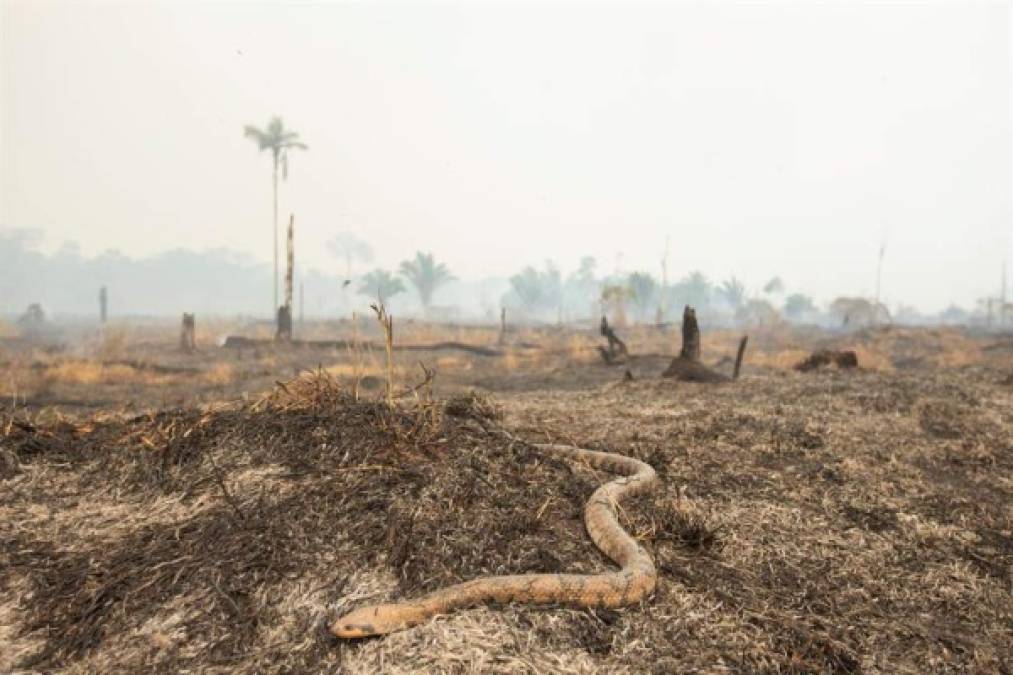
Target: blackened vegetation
x=308 y=484
x=843 y=359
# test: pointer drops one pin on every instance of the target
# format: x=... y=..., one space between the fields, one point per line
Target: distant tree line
x=225 y=282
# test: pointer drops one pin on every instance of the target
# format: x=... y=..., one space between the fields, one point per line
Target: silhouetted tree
x=527 y=286
x=798 y=306
x=381 y=284
x=858 y=312
x=733 y=292
x=426 y=275
x=774 y=286
x=643 y=291
x=581 y=289
x=279 y=141
x=538 y=290
x=757 y=312
x=694 y=290
x=350 y=247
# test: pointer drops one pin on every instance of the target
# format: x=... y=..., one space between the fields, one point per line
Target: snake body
x=634 y=581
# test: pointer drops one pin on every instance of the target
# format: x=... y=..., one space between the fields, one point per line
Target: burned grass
x=308 y=487
x=826 y=522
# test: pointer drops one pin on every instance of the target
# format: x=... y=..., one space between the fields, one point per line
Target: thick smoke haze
x=775 y=139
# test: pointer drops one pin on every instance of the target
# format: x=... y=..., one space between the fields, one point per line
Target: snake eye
x=352 y=630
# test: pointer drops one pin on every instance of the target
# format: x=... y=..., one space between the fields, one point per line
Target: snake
x=635 y=579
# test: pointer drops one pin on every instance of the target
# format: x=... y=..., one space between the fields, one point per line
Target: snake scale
x=634 y=581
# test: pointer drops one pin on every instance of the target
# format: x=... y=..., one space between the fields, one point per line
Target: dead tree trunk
x=616 y=347
x=285 y=311
x=690 y=335
x=687 y=366
x=188 y=334
x=739 y=355
x=284 y=324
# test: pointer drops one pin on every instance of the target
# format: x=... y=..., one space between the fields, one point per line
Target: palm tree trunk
x=274 y=306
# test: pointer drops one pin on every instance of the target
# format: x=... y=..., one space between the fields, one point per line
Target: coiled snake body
x=634 y=581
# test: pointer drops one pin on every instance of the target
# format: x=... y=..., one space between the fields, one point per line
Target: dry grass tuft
x=686 y=525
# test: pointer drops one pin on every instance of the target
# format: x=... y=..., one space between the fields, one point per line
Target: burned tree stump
x=188 y=334
x=687 y=367
x=284 y=324
x=284 y=333
x=690 y=335
x=616 y=351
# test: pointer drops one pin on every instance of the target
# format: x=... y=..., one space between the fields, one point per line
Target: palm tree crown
x=426 y=275
x=382 y=284
x=278 y=140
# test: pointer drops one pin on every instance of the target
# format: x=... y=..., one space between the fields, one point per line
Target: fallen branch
x=240 y=342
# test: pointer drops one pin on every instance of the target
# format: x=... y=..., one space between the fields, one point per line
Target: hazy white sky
x=762 y=138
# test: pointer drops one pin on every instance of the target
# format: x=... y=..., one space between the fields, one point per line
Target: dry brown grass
x=824 y=522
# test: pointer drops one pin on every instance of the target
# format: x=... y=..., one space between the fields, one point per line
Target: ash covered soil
x=824 y=522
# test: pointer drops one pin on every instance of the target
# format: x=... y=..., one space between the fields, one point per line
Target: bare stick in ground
x=387 y=324
x=739 y=355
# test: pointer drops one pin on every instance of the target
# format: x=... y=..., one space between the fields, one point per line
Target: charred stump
x=687 y=367
x=188 y=334
x=616 y=351
x=284 y=333
x=690 y=335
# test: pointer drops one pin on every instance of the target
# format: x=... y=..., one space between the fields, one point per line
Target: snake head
x=357 y=624
x=352 y=630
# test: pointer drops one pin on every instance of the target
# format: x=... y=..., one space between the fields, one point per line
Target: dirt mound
x=195 y=539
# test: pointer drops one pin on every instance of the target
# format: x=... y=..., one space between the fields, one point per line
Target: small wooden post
x=502 y=325
x=103 y=304
x=739 y=355
x=188 y=334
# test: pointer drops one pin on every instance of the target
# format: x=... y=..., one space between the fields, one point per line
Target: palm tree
x=381 y=283
x=527 y=285
x=426 y=275
x=734 y=292
x=774 y=287
x=643 y=289
x=279 y=141
x=349 y=246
